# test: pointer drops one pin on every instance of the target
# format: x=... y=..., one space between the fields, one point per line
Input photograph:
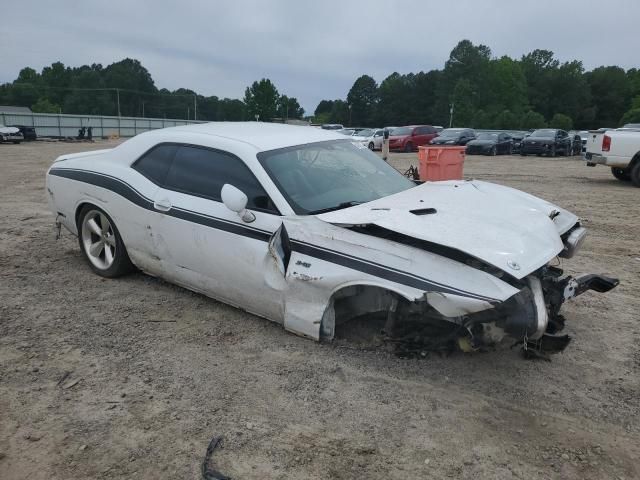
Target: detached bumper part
x=573 y=242
x=597 y=283
x=532 y=315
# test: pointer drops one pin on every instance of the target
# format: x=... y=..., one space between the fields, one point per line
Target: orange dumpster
x=440 y=163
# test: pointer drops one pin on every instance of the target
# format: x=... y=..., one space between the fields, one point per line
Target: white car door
x=208 y=248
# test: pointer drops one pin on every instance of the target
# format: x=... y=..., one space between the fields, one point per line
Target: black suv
x=29 y=133
x=546 y=141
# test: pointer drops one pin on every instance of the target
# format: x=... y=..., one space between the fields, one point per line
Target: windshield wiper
x=335 y=207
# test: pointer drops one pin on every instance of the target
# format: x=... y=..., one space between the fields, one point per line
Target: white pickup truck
x=618 y=149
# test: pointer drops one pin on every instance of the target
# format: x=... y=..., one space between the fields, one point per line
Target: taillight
x=606 y=143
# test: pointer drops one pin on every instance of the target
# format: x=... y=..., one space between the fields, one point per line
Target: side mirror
x=236 y=201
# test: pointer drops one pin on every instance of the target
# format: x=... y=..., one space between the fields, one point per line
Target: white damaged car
x=309 y=229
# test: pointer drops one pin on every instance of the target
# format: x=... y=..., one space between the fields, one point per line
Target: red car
x=408 y=139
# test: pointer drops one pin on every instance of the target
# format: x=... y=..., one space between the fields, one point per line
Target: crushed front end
x=531 y=318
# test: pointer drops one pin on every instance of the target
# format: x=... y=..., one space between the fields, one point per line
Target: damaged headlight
x=573 y=242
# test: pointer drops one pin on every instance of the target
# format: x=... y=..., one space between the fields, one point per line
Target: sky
x=311 y=50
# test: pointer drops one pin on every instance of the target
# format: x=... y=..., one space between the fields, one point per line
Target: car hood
x=501 y=226
x=8 y=130
x=481 y=143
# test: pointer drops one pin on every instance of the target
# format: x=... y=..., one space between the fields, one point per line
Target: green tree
x=463 y=101
x=288 y=107
x=324 y=106
x=339 y=112
x=532 y=119
x=632 y=116
x=538 y=67
x=611 y=93
x=506 y=120
x=481 y=119
x=261 y=98
x=362 y=99
x=233 y=110
x=561 y=121
x=43 y=105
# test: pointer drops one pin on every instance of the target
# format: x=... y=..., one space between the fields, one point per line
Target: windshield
x=487 y=136
x=401 y=131
x=330 y=175
x=451 y=133
x=367 y=132
x=544 y=133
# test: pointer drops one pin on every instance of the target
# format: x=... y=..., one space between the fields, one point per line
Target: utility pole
x=195 y=106
x=451 y=114
x=118 y=97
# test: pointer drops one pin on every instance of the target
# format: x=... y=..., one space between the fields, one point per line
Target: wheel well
x=79 y=209
x=354 y=301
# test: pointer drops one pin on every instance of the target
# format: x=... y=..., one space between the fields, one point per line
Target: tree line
x=126 y=88
x=475 y=89
x=472 y=89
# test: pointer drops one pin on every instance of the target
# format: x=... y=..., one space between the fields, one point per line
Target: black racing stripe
x=125 y=190
x=212 y=222
x=110 y=183
x=377 y=270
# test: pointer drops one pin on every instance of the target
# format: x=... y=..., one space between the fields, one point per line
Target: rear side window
x=156 y=162
x=203 y=172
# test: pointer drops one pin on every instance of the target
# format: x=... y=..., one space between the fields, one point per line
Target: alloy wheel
x=98 y=239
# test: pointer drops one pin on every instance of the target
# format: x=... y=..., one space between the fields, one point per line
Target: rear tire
x=408 y=148
x=634 y=174
x=552 y=153
x=494 y=151
x=621 y=174
x=101 y=243
x=371 y=146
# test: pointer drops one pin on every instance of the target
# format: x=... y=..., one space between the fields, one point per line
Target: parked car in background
x=28 y=133
x=454 y=136
x=371 y=138
x=584 y=135
x=546 y=141
x=438 y=128
x=10 y=134
x=517 y=136
x=618 y=149
x=346 y=131
x=576 y=142
x=490 y=143
x=332 y=126
x=409 y=138
x=631 y=126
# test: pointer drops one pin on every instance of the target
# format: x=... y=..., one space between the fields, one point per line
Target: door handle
x=163 y=205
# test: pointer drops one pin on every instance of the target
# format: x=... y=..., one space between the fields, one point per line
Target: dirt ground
x=131 y=378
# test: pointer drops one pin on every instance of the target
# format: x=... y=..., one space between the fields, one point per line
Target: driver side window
x=202 y=172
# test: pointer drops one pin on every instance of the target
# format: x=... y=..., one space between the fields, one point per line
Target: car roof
x=263 y=136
